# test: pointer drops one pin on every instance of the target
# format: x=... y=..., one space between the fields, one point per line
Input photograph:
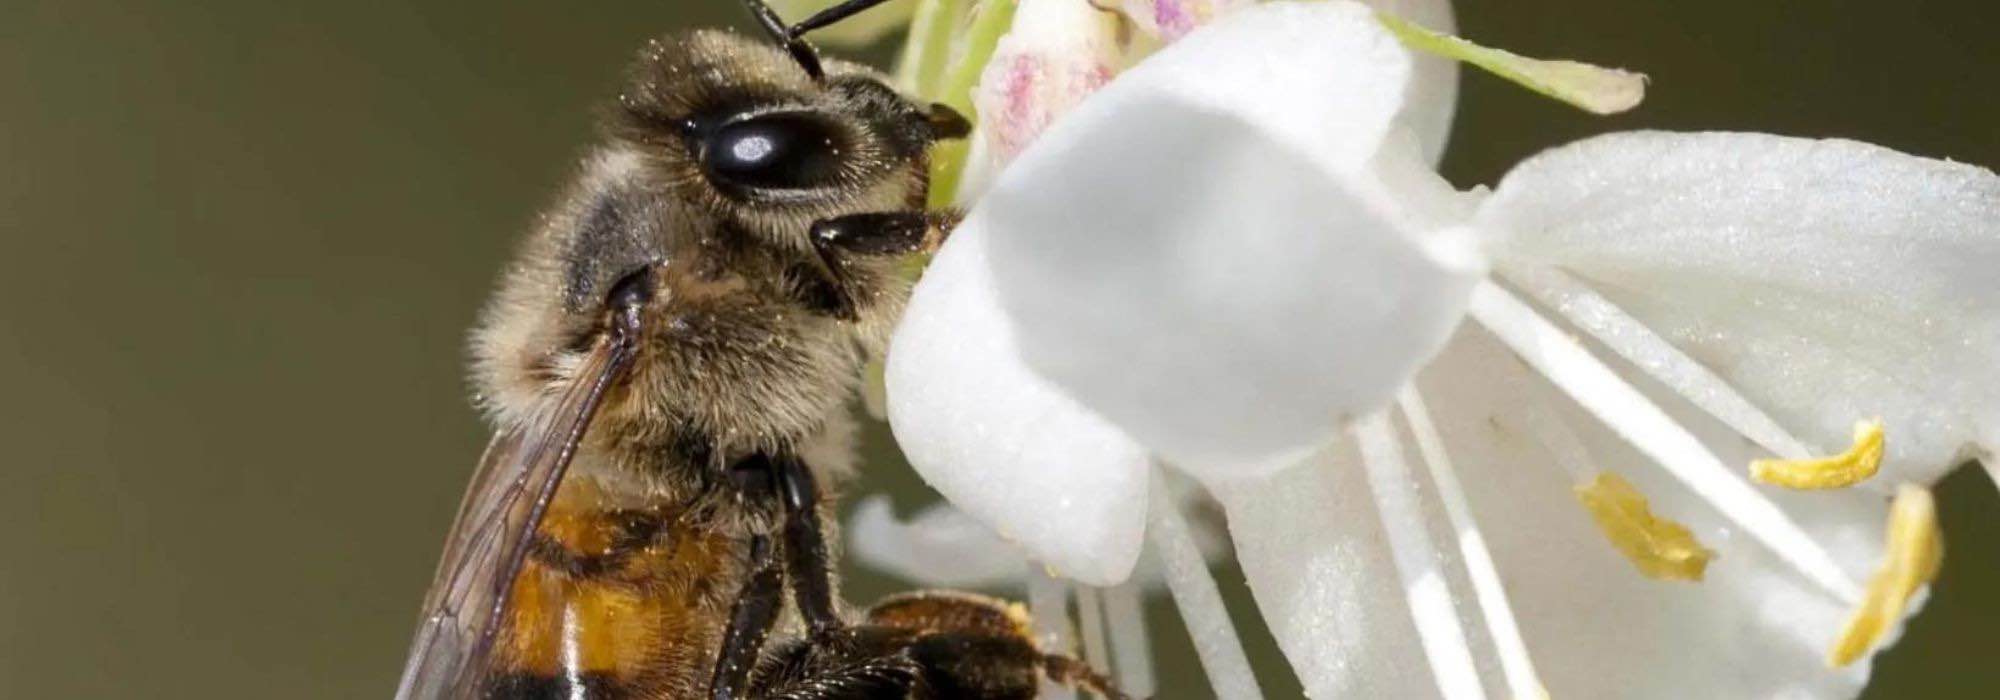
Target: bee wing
x=503 y=505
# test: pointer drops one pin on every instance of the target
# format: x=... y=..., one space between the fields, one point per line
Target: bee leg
x=750 y=621
x=883 y=233
x=789 y=482
x=980 y=646
x=806 y=561
x=840 y=240
x=852 y=666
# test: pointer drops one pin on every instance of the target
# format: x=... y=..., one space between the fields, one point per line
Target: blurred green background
x=243 y=241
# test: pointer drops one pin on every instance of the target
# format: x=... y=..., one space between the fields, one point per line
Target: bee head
x=745 y=129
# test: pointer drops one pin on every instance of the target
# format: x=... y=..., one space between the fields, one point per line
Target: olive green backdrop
x=241 y=241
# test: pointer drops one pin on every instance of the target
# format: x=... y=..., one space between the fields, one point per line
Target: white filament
x=1396 y=500
x=1194 y=590
x=1048 y=604
x=1090 y=618
x=1622 y=408
x=1632 y=340
x=1561 y=442
x=1131 y=646
x=1493 y=606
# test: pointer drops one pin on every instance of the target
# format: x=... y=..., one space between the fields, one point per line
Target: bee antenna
x=774 y=25
x=792 y=37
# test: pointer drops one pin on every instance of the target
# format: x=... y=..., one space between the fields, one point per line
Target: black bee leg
x=788 y=482
x=883 y=233
x=1074 y=673
x=807 y=563
x=979 y=646
x=805 y=671
x=750 y=621
x=841 y=241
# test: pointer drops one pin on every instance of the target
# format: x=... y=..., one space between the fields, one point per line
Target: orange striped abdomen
x=615 y=603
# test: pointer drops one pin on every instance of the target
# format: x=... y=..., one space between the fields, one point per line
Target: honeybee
x=668 y=364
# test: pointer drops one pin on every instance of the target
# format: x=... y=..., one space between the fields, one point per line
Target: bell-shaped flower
x=1234 y=259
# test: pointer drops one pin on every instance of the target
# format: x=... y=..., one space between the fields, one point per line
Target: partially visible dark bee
x=667 y=365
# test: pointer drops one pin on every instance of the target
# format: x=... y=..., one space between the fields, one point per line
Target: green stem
x=990 y=21
x=927 y=48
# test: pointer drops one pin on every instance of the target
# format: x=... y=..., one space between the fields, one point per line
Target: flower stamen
x=1090 y=617
x=1131 y=645
x=1659 y=547
x=1860 y=461
x=1501 y=626
x=1916 y=550
x=1416 y=560
x=1646 y=427
x=1200 y=602
x=1626 y=337
x=1048 y=606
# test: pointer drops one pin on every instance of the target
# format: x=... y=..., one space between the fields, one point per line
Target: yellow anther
x=1854 y=466
x=1916 y=550
x=1659 y=547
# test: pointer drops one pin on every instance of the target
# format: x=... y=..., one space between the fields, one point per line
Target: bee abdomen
x=533 y=686
x=613 y=603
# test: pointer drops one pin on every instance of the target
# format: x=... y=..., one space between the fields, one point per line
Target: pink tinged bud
x=1057 y=53
x=1029 y=91
x=1172 y=19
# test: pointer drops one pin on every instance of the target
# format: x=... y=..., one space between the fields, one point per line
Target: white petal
x=1433 y=91
x=938 y=546
x=999 y=441
x=1234 y=247
x=1753 y=627
x=1433 y=86
x=1828 y=281
x=1313 y=549
x=942 y=547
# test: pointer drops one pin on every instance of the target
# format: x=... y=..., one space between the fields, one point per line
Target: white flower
x=1236 y=260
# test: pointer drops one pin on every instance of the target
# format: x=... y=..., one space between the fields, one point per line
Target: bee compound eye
x=773 y=151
